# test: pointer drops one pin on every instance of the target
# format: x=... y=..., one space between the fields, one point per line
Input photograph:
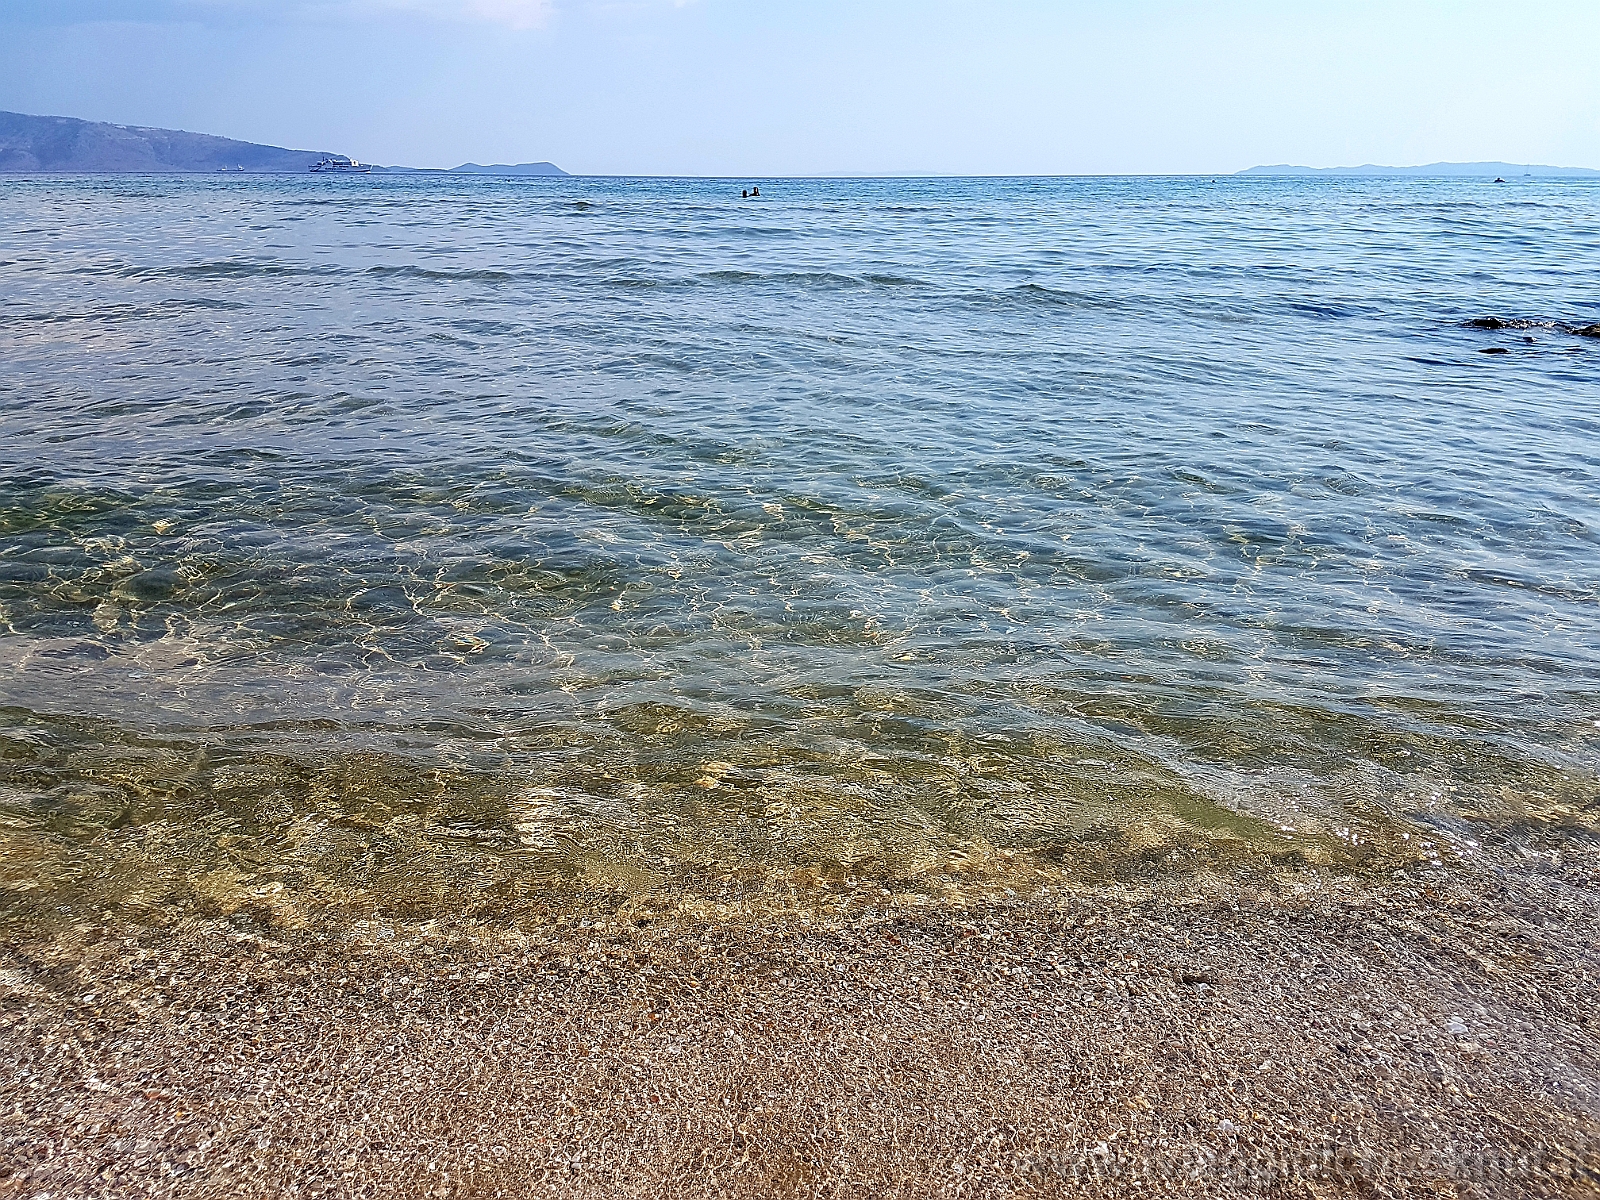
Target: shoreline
x=1429 y=1033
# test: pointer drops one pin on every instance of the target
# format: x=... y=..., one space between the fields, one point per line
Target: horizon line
x=1247 y=173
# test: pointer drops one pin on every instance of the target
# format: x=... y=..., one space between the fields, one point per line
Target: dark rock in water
x=1487 y=323
x=1494 y=350
x=1588 y=331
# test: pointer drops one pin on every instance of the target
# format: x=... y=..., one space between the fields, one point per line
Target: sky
x=799 y=87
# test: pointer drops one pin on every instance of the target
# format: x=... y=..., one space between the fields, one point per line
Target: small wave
x=226 y=269
x=119 y=312
x=1332 y=312
x=114 y=312
x=1215 y=487
x=1030 y=295
x=822 y=278
x=243 y=455
x=415 y=272
x=202 y=302
x=1037 y=291
x=895 y=281
x=803 y=278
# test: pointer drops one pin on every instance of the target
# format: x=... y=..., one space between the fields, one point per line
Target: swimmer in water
x=745 y=195
x=755 y=191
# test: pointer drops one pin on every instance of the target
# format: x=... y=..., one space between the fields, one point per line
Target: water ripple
x=862 y=525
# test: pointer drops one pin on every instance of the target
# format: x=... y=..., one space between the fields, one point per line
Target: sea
x=403 y=544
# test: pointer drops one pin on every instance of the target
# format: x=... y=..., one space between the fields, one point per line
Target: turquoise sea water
x=399 y=541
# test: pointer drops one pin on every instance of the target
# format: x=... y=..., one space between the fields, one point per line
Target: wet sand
x=1303 y=1034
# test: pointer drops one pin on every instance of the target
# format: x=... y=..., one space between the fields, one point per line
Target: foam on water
x=408 y=539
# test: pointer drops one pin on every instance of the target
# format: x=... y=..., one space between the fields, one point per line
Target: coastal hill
x=30 y=144
x=1433 y=170
x=35 y=144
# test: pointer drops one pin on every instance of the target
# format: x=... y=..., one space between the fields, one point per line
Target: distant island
x=538 y=168
x=39 y=145
x=1434 y=170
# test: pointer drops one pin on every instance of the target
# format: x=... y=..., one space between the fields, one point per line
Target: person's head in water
x=755 y=191
x=745 y=194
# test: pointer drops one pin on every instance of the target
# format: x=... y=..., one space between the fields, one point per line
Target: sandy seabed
x=1303 y=1035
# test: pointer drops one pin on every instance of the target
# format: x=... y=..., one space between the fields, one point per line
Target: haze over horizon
x=730 y=87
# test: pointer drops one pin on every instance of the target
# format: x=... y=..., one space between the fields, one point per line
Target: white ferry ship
x=342 y=165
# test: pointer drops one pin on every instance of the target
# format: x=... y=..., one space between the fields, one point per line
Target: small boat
x=339 y=164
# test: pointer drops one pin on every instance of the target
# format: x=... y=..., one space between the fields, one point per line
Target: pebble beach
x=1277 y=1033
x=604 y=687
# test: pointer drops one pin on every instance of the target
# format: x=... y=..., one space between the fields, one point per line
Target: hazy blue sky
x=754 y=87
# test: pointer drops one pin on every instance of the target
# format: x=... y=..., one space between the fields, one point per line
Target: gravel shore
x=1310 y=1035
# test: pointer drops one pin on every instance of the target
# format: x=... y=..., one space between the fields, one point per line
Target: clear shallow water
x=399 y=541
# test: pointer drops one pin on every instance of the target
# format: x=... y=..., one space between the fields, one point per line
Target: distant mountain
x=538 y=168
x=66 y=144
x=1433 y=170
x=35 y=144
